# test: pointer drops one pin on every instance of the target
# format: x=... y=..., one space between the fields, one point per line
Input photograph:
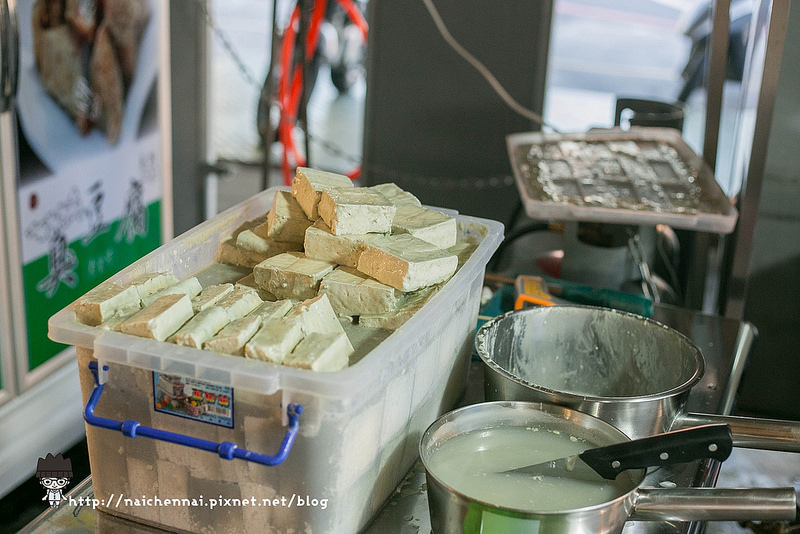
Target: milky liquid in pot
x=472 y=463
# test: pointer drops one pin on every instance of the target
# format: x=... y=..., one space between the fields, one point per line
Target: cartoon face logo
x=53 y=483
x=54 y=473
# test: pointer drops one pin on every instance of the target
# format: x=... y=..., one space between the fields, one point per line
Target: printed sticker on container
x=193 y=399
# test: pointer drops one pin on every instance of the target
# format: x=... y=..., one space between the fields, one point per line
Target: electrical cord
x=512 y=236
x=481 y=68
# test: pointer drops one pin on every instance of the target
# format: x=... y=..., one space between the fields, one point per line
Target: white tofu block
x=393 y=320
x=273 y=310
x=202 y=327
x=190 y=286
x=405 y=262
x=239 y=302
x=148 y=284
x=210 y=296
x=321 y=352
x=429 y=225
x=106 y=301
x=160 y=319
x=309 y=183
x=286 y=220
x=396 y=195
x=321 y=244
x=275 y=340
x=356 y=210
x=353 y=293
x=291 y=275
x=263 y=247
x=232 y=338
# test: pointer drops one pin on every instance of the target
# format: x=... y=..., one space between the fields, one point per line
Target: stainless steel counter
x=725 y=344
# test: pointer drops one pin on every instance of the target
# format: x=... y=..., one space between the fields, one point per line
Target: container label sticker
x=193 y=399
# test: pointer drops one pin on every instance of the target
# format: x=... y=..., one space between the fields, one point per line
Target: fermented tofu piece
x=232 y=338
x=464 y=250
x=190 y=286
x=114 y=324
x=239 y=302
x=273 y=310
x=363 y=339
x=230 y=254
x=291 y=275
x=258 y=247
x=249 y=281
x=429 y=225
x=356 y=210
x=106 y=301
x=321 y=244
x=321 y=352
x=210 y=296
x=148 y=284
x=353 y=293
x=160 y=319
x=393 y=320
x=405 y=262
x=286 y=220
x=396 y=195
x=202 y=327
x=317 y=315
x=220 y=273
x=309 y=183
x=275 y=340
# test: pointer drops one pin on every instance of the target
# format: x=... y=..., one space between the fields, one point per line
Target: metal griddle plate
x=641 y=176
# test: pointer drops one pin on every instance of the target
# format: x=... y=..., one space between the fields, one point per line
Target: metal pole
x=702 y=244
x=302 y=33
x=265 y=104
x=740 y=255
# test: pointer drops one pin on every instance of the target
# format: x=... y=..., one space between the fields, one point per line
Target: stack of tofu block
x=329 y=272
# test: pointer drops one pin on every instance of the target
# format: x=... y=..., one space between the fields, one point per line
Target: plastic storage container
x=358 y=432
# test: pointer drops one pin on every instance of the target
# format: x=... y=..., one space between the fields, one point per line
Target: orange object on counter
x=531 y=290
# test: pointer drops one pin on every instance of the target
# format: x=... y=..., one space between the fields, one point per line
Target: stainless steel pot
x=453 y=511
x=629 y=371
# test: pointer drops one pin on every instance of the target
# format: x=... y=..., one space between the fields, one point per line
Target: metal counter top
x=725 y=344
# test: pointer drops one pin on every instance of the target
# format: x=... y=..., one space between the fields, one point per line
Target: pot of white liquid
x=468 y=452
x=627 y=370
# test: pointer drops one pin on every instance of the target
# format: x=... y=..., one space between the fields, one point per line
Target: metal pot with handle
x=467 y=453
x=627 y=370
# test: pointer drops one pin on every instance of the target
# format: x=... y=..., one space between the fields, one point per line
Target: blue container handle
x=226 y=449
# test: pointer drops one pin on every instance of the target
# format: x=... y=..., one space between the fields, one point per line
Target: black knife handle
x=710 y=441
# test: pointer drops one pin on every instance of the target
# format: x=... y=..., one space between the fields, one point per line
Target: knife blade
x=709 y=441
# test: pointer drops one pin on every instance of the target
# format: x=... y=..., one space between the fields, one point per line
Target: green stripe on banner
x=58 y=278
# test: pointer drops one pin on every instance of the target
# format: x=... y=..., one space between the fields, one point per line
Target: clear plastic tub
x=358 y=433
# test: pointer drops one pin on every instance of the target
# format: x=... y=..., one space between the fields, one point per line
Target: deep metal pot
x=629 y=371
x=455 y=512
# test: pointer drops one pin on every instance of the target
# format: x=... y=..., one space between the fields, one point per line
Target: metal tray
x=639 y=176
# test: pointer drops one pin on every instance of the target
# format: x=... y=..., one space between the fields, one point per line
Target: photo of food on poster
x=91 y=171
